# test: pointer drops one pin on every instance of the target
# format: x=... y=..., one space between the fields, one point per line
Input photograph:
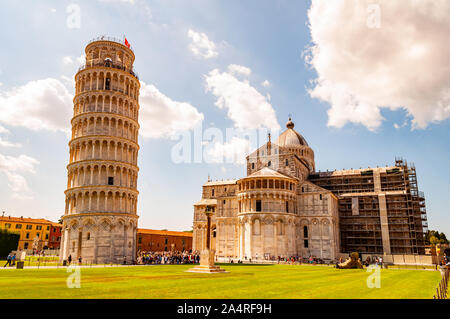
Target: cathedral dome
x=291 y=137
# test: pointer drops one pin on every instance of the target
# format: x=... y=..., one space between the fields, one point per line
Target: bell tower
x=100 y=218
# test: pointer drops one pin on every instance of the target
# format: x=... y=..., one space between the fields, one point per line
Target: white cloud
x=122 y=1
x=14 y=168
x=3 y=130
x=67 y=60
x=5 y=143
x=398 y=126
x=74 y=61
x=361 y=68
x=38 y=105
x=239 y=69
x=161 y=117
x=233 y=151
x=266 y=83
x=201 y=45
x=247 y=107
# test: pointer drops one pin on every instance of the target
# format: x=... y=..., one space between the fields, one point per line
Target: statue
x=207 y=264
x=352 y=263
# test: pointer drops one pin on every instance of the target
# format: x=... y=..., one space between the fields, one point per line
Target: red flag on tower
x=127 y=43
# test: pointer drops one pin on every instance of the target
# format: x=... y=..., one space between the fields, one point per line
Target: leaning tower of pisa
x=100 y=219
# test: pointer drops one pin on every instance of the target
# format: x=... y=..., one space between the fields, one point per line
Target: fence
x=411 y=260
x=441 y=290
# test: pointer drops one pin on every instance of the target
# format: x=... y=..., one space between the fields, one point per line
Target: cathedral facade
x=273 y=211
x=284 y=208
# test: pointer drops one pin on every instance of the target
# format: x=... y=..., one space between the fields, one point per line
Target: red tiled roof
x=163 y=232
x=25 y=220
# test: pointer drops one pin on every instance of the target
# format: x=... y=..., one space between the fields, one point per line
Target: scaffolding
x=416 y=211
x=358 y=193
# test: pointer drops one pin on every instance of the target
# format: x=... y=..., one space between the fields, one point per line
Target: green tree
x=433 y=237
x=8 y=242
x=434 y=240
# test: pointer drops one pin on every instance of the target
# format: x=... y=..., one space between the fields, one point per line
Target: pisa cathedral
x=284 y=208
x=100 y=218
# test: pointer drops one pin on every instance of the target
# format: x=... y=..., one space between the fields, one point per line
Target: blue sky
x=267 y=37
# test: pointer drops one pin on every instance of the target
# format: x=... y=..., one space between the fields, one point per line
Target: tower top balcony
x=110 y=39
x=111 y=51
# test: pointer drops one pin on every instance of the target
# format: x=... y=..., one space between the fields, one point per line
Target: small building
x=163 y=240
x=35 y=233
x=55 y=236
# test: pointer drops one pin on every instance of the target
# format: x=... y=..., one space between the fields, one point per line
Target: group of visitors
x=292 y=259
x=10 y=260
x=445 y=261
x=69 y=260
x=168 y=257
x=377 y=261
x=313 y=260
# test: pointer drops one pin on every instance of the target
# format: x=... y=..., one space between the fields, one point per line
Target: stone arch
x=256 y=226
x=105 y=225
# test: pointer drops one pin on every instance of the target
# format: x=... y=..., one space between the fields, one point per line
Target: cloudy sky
x=365 y=81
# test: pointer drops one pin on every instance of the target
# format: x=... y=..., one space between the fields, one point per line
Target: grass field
x=242 y=281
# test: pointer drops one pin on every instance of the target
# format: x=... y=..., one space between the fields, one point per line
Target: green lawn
x=242 y=281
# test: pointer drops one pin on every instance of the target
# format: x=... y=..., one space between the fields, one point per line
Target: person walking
x=69 y=259
x=13 y=259
x=8 y=260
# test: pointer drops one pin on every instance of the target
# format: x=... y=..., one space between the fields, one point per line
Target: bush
x=8 y=242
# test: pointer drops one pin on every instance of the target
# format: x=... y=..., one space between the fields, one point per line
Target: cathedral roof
x=206 y=202
x=218 y=183
x=291 y=137
x=267 y=172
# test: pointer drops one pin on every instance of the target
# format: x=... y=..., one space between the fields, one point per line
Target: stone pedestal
x=207 y=264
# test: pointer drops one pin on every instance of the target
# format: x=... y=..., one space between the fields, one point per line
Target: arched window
x=287 y=162
x=88 y=236
x=305 y=231
x=258 y=206
x=269 y=163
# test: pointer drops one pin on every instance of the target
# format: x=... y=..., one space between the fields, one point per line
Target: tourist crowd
x=168 y=257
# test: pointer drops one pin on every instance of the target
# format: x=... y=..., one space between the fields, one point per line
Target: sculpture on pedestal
x=207 y=264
